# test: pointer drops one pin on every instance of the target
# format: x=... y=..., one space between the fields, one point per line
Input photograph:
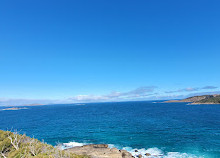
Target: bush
x=14 y=145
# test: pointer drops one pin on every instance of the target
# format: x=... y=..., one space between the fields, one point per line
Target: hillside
x=203 y=99
x=212 y=99
x=13 y=145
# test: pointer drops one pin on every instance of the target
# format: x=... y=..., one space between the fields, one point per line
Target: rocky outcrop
x=100 y=151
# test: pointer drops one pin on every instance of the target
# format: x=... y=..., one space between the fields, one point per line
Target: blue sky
x=108 y=50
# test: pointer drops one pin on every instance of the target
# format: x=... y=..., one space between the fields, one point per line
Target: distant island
x=14 y=108
x=203 y=99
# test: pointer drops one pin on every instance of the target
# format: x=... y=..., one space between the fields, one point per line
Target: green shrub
x=13 y=145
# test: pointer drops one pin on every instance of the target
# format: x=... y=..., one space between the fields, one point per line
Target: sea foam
x=157 y=153
x=72 y=144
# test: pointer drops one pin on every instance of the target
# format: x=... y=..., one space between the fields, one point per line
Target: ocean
x=166 y=130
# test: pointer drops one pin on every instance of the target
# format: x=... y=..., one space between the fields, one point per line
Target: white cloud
x=141 y=93
x=15 y=102
x=116 y=96
x=138 y=93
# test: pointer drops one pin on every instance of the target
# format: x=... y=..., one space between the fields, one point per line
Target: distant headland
x=14 y=108
x=203 y=99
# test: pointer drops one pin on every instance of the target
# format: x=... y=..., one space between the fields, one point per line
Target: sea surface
x=167 y=130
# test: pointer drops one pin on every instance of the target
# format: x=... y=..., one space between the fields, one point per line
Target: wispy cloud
x=201 y=93
x=190 y=89
x=15 y=102
x=133 y=94
x=140 y=93
x=209 y=87
x=183 y=90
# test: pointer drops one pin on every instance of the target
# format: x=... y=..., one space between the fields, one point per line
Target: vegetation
x=214 y=99
x=203 y=99
x=14 y=145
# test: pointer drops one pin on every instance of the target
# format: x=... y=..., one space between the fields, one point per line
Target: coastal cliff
x=203 y=99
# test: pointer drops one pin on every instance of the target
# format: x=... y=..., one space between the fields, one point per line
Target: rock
x=100 y=151
x=96 y=145
x=125 y=154
x=100 y=146
x=135 y=150
x=148 y=154
x=139 y=156
x=115 y=150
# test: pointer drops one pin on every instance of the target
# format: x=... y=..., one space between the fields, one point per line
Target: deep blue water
x=170 y=127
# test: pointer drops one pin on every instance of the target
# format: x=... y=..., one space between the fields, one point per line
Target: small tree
x=34 y=147
x=15 y=138
x=3 y=150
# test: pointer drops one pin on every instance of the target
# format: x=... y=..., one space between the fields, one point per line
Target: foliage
x=211 y=99
x=14 y=145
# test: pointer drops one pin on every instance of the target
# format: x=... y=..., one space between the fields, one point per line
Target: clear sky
x=82 y=50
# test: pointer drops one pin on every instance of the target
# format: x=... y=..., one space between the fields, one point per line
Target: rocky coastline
x=103 y=151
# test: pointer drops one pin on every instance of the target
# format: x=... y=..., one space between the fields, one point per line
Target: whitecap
x=72 y=144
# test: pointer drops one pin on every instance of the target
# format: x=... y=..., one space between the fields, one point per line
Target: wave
x=146 y=153
x=72 y=144
x=158 y=153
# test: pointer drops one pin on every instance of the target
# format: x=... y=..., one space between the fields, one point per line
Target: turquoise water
x=161 y=128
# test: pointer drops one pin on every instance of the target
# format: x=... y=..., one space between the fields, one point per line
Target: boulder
x=139 y=156
x=148 y=154
x=125 y=154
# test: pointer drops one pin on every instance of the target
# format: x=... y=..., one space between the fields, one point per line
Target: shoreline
x=189 y=103
x=111 y=151
x=204 y=103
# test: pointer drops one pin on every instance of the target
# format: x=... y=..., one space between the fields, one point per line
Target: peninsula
x=203 y=99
